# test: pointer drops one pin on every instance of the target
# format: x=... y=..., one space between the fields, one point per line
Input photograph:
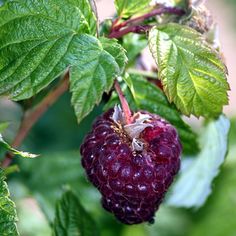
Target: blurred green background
x=57 y=138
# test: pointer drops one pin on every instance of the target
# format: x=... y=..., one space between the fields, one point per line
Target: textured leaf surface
x=100 y=62
x=71 y=218
x=194 y=184
x=8 y=215
x=193 y=75
x=149 y=97
x=127 y=8
x=38 y=41
x=6 y=146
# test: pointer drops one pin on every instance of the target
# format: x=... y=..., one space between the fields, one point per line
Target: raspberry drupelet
x=131 y=165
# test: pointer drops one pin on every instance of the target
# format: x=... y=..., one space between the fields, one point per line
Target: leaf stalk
x=124 y=103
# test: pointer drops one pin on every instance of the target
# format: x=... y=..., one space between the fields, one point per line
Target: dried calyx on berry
x=132 y=165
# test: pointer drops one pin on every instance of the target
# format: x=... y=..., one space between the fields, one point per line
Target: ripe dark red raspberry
x=132 y=178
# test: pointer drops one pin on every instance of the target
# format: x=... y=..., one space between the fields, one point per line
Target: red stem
x=159 y=11
x=139 y=29
x=115 y=22
x=124 y=103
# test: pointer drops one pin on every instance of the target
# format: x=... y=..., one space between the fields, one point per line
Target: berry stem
x=95 y=11
x=124 y=103
x=33 y=115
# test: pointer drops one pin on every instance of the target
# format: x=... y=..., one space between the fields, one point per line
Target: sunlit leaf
x=192 y=73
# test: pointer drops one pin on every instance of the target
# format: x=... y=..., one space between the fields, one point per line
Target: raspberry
x=132 y=169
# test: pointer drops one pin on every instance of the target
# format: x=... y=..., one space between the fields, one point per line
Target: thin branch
x=32 y=116
x=115 y=22
x=155 y=12
x=124 y=103
x=138 y=29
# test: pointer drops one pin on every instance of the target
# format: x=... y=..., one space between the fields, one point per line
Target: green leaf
x=8 y=217
x=148 y=96
x=194 y=183
x=39 y=40
x=193 y=75
x=127 y=8
x=99 y=63
x=217 y=217
x=71 y=218
x=6 y=146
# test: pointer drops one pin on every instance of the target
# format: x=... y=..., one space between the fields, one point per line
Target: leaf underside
x=194 y=184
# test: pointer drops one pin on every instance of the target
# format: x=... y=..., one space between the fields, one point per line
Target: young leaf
x=127 y=8
x=38 y=40
x=8 y=215
x=71 y=218
x=149 y=97
x=99 y=63
x=6 y=146
x=193 y=75
x=194 y=183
